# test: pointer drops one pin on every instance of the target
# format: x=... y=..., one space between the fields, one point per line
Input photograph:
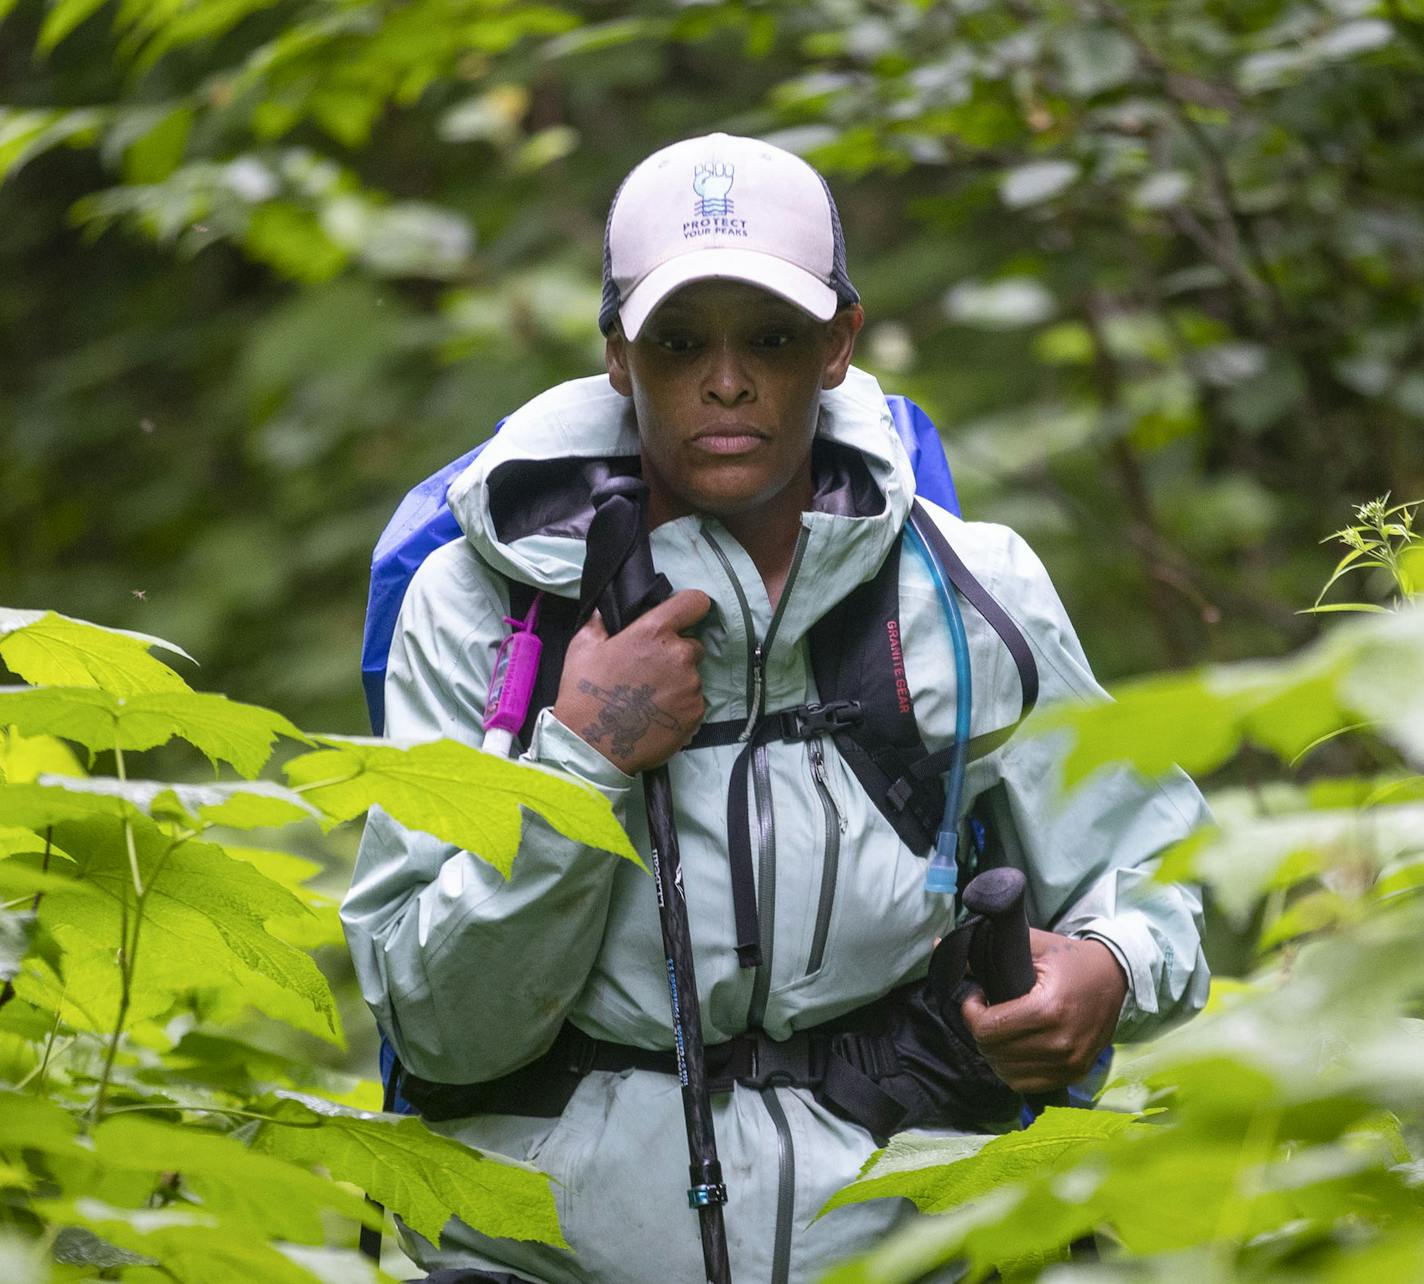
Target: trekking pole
x=999 y=951
x=620 y=580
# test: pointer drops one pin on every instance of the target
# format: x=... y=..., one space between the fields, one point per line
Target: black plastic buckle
x=789 y=1061
x=822 y=719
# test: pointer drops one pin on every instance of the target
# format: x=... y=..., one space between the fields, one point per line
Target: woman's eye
x=676 y=342
x=774 y=339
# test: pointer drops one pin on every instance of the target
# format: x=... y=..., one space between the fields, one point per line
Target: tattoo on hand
x=626 y=715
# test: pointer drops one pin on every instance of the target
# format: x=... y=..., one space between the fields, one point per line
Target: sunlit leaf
x=223 y=729
x=457 y=793
x=247 y=804
x=939 y=1176
x=48 y=649
x=280 y=1199
x=205 y=921
x=190 y=1243
x=423 y=1177
x=23 y=758
x=63 y=17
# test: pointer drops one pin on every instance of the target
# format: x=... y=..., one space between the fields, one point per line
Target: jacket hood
x=524 y=502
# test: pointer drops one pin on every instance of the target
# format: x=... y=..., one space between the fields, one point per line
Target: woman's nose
x=726 y=380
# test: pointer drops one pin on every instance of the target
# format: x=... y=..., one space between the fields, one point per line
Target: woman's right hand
x=636 y=697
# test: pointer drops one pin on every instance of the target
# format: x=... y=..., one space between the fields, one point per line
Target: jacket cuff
x=554 y=745
x=1131 y=953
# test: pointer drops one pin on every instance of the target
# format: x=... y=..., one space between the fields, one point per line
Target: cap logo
x=713 y=208
x=712 y=183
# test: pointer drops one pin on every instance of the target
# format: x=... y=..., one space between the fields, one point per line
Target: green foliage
x=1146 y=266
x=1276 y=1136
x=137 y=1134
x=1383 y=538
x=466 y=797
x=1155 y=270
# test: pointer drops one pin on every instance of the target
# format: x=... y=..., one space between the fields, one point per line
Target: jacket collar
x=524 y=505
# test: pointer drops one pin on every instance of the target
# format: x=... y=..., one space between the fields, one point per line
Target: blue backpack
x=424 y=522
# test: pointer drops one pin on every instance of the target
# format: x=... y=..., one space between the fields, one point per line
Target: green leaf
x=23 y=758
x=911 y=1253
x=457 y=793
x=26 y=134
x=156 y=153
x=937 y=1177
x=223 y=729
x=204 y=924
x=1371 y=667
x=320 y=927
x=421 y=1176
x=191 y=1245
x=48 y=649
x=275 y=1197
x=246 y=804
x=1246 y=858
x=37 y=806
x=63 y=17
x=1095 y=58
x=33 y=1123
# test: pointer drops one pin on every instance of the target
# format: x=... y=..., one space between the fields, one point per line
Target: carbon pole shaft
x=707 y=1188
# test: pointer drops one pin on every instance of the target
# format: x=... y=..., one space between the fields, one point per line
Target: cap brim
x=785 y=280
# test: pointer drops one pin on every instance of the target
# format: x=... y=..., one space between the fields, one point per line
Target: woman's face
x=726 y=380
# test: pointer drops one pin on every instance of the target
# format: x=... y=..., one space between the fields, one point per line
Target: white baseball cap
x=728 y=208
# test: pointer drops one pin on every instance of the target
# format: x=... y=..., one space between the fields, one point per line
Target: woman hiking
x=531 y=1015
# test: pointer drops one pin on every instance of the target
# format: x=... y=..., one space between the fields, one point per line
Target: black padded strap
x=712 y=735
x=739 y=850
x=856 y=652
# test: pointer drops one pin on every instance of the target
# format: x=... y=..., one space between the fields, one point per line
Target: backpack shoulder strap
x=856 y=653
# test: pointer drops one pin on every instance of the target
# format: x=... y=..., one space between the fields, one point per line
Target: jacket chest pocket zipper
x=835 y=823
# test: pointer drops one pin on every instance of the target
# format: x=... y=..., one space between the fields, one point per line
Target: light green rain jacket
x=472 y=976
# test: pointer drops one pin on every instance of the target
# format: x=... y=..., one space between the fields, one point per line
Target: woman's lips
x=728 y=441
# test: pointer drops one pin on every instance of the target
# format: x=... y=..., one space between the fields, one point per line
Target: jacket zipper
x=785 y=1187
x=766 y=891
x=754 y=675
x=761 y=792
x=835 y=827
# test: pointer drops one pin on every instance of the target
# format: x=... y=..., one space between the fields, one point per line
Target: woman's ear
x=844 y=327
x=615 y=357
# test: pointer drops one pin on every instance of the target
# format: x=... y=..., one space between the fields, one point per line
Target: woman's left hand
x=1050 y=1036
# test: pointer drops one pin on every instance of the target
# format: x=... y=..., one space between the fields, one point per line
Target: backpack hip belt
x=904 y=1060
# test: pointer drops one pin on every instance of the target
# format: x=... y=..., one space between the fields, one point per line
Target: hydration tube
x=512 y=681
x=942 y=872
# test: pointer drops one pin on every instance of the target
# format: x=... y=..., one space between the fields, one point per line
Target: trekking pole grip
x=1000 y=954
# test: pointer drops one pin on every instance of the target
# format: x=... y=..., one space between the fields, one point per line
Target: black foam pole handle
x=1000 y=954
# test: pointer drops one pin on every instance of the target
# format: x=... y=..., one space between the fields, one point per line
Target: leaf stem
x=128 y=826
x=217 y=1110
x=325 y=784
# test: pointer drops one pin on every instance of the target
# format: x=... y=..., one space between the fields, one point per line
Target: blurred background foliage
x=1155 y=268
